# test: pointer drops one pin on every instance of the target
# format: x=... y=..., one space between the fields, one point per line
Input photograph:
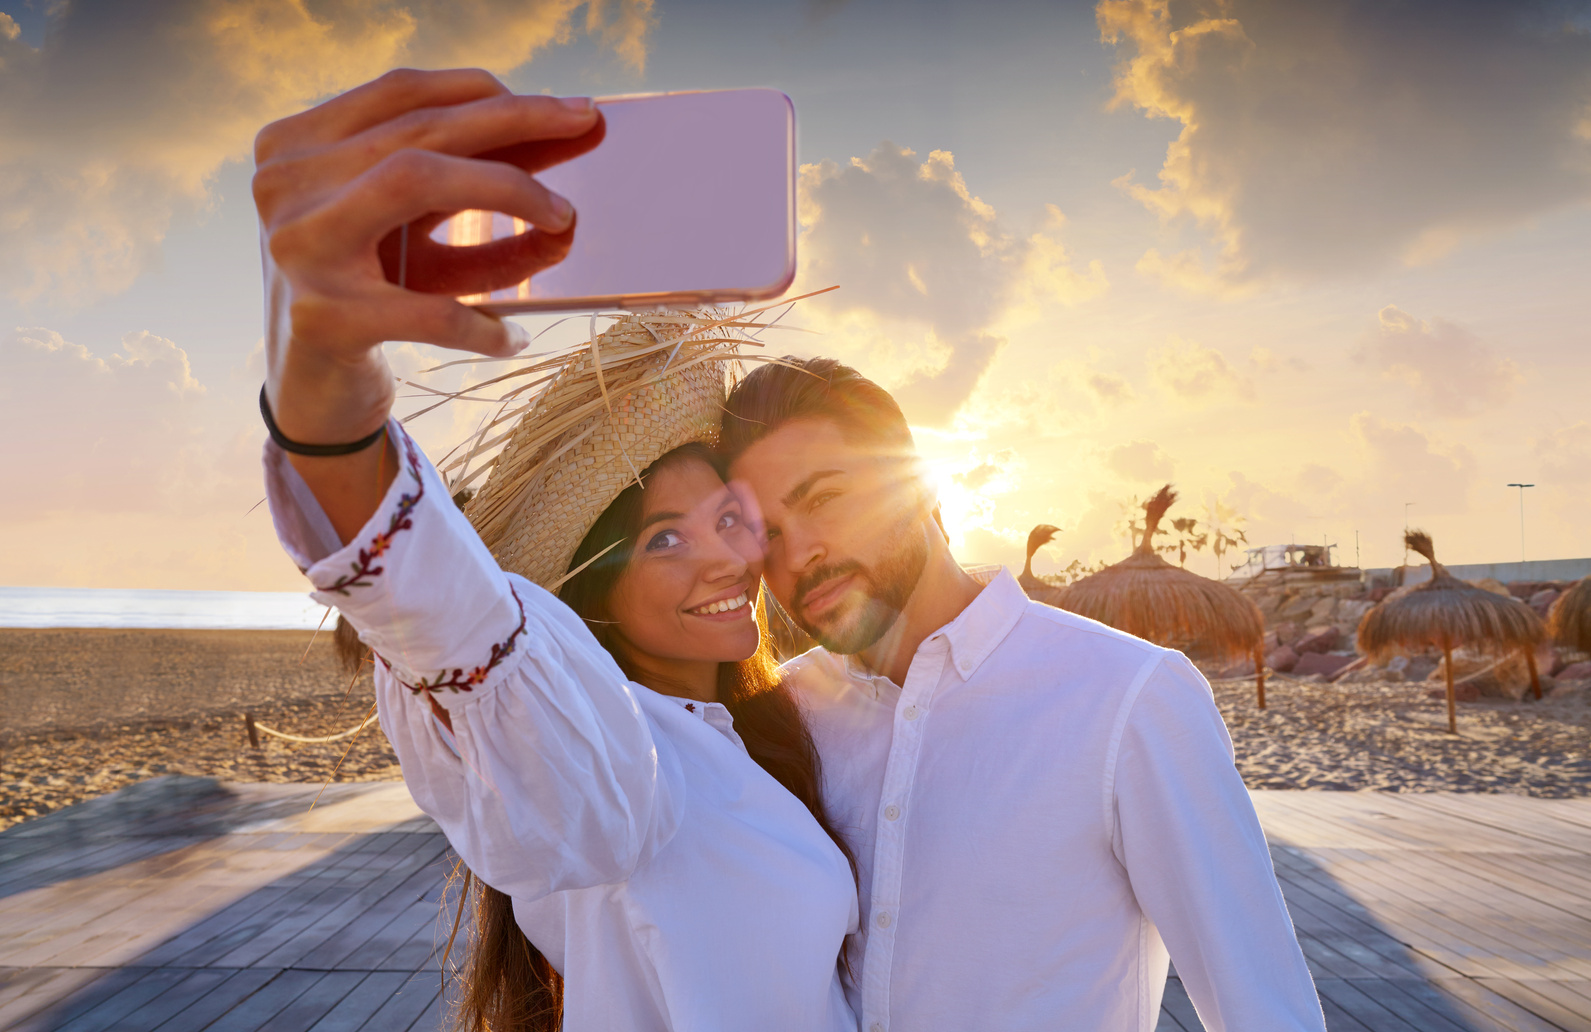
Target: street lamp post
x=1521 y=518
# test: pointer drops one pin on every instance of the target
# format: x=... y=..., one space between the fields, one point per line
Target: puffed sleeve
x=557 y=781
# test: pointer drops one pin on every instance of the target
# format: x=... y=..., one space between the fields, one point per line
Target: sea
x=140 y=607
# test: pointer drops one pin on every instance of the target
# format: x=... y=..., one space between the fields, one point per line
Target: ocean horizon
x=152 y=608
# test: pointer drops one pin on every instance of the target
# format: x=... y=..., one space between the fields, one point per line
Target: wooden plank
x=1176 y=1003
x=430 y=1019
x=355 y=1009
x=314 y=1003
x=396 y=885
x=54 y=985
x=400 y=1009
x=1509 y=1017
x=1343 y=994
x=194 y=986
x=218 y=1002
x=115 y=1011
x=253 y=1012
x=1537 y=1002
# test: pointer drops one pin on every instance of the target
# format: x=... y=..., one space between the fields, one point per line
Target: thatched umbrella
x=1147 y=596
x=1445 y=613
x=1038 y=590
x=1569 y=620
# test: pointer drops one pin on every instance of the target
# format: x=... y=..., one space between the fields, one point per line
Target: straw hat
x=660 y=383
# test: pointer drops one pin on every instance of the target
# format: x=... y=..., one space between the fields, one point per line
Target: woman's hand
x=335 y=186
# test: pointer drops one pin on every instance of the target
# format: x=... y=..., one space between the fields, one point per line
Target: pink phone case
x=688 y=200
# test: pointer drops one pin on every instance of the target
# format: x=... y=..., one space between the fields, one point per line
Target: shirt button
x=910 y=713
x=883 y=919
x=876 y=1027
x=891 y=812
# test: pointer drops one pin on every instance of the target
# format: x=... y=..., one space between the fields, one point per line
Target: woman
x=593 y=757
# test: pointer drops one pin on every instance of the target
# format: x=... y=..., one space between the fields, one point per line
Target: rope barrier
x=253 y=725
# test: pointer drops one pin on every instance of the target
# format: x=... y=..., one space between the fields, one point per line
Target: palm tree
x=1446 y=613
x=1569 y=620
x=1147 y=596
x=1038 y=590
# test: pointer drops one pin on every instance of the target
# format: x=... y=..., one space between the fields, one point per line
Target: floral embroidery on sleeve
x=458 y=680
x=364 y=567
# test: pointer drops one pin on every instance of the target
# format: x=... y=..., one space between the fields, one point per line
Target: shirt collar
x=714 y=714
x=975 y=633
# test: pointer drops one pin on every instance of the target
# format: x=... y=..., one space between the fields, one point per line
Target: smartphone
x=688 y=199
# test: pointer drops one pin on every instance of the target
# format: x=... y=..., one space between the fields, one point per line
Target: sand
x=90 y=711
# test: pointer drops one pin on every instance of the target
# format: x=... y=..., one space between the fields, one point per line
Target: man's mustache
x=822 y=575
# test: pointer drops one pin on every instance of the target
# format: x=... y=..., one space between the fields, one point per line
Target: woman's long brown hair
x=507 y=985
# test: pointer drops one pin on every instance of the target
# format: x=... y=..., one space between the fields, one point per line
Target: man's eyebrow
x=661 y=517
x=804 y=488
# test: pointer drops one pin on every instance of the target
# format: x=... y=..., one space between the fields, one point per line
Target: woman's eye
x=728 y=520
x=665 y=539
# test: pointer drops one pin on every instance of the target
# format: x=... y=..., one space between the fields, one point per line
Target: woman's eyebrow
x=661 y=517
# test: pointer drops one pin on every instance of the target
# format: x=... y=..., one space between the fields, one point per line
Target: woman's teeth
x=721 y=607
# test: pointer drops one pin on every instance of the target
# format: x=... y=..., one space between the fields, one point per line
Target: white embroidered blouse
x=670 y=880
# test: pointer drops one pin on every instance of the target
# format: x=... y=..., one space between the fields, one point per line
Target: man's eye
x=823 y=499
x=664 y=539
x=772 y=533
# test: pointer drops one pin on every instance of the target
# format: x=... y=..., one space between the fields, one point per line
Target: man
x=1040 y=807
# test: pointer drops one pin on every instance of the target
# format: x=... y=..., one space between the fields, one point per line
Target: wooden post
x=254 y=733
x=1259 y=673
x=1452 y=710
x=1535 y=678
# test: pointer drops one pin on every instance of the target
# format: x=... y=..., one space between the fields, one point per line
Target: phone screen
x=689 y=198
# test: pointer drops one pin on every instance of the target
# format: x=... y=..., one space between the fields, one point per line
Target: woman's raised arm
x=334 y=186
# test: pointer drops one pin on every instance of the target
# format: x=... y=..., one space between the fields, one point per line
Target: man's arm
x=1198 y=862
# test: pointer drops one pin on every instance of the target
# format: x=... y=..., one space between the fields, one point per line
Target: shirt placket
x=900 y=772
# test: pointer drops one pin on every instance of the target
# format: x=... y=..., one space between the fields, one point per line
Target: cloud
x=1450 y=370
x=1332 y=138
x=1565 y=454
x=1140 y=460
x=1192 y=372
x=1110 y=388
x=1404 y=461
x=121 y=120
x=918 y=255
x=130 y=431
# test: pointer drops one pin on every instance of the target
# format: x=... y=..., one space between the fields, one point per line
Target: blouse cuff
x=415 y=581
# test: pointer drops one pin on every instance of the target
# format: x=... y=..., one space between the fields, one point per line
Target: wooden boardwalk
x=177 y=905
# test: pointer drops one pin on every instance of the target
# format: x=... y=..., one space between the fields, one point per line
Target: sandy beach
x=90 y=711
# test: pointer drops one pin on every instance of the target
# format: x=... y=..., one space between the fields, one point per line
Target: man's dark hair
x=776 y=393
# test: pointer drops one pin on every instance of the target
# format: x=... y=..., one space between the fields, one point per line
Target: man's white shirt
x=1039 y=812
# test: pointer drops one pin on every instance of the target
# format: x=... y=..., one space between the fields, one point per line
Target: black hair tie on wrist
x=315 y=450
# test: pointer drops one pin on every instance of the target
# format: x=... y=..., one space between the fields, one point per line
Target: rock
x=1419 y=667
x=1322 y=640
x=1352 y=610
x=1326 y=664
x=1298 y=607
x=1271 y=643
x=1286 y=632
x=1461 y=693
x=1493 y=585
x=1569 y=689
x=1321 y=611
x=1236 y=670
x=1282 y=660
x=1574 y=672
x=1542 y=599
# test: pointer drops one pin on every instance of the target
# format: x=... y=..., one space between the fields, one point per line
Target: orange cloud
x=121 y=122
x=1316 y=141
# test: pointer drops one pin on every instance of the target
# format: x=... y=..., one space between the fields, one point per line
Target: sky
x=1320 y=265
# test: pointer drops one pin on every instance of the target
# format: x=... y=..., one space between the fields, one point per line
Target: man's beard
x=885 y=588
